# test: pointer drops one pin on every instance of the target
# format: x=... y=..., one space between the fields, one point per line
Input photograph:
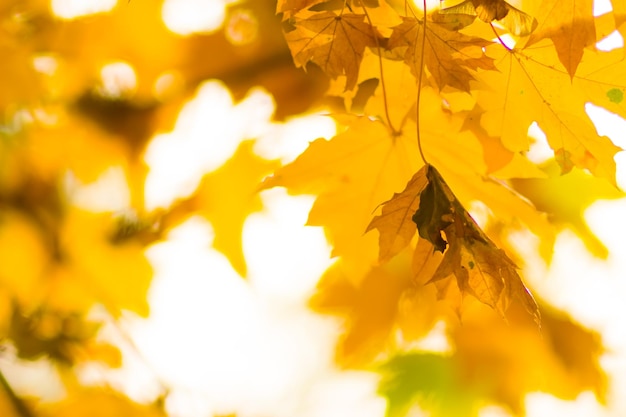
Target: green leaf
x=430 y=381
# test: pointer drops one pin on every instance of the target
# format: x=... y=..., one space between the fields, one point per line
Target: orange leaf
x=512 y=360
x=334 y=42
x=99 y=403
x=370 y=308
x=480 y=268
x=393 y=224
x=449 y=55
x=516 y=21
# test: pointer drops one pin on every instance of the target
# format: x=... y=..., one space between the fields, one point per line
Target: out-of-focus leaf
x=430 y=381
x=98 y=403
x=511 y=359
x=116 y=275
x=10 y=405
x=67 y=338
x=77 y=145
x=369 y=309
x=24 y=258
x=566 y=197
x=384 y=300
x=226 y=197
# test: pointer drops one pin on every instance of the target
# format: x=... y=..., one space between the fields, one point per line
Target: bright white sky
x=252 y=347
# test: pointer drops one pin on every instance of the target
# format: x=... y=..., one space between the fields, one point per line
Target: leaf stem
x=499 y=38
x=419 y=88
x=394 y=132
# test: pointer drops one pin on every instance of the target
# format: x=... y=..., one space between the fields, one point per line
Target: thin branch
x=394 y=132
x=419 y=87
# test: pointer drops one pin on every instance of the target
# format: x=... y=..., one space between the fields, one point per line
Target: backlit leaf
x=227 y=210
x=515 y=20
x=334 y=42
x=480 y=268
x=450 y=56
x=395 y=231
x=569 y=24
x=351 y=179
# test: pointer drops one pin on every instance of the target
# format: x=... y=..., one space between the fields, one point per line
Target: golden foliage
x=415 y=89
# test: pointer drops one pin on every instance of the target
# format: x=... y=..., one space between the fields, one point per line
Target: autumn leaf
x=566 y=197
x=431 y=381
x=369 y=307
x=394 y=229
x=480 y=268
x=227 y=196
x=98 y=269
x=98 y=403
x=75 y=105
x=386 y=299
x=515 y=20
x=486 y=10
x=334 y=42
x=24 y=258
x=569 y=24
x=619 y=13
x=597 y=67
x=351 y=179
x=434 y=212
x=508 y=360
x=532 y=86
x=448 y=55
x=66 y=338
x=294 y=5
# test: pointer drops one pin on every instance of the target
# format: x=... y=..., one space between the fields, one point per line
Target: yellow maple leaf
x=351 y=174
x=449 y=55
x=600 y=77
x=334 y=42
x=532 y=86
x=619 y=13
x=481 y=269
x=515 y=20
x=396 y=229
x=569 y=24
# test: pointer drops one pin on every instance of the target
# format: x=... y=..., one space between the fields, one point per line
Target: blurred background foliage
x=81 y=97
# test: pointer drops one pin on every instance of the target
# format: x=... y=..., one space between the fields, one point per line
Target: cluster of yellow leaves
x=444 y=89
x=374 y=188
